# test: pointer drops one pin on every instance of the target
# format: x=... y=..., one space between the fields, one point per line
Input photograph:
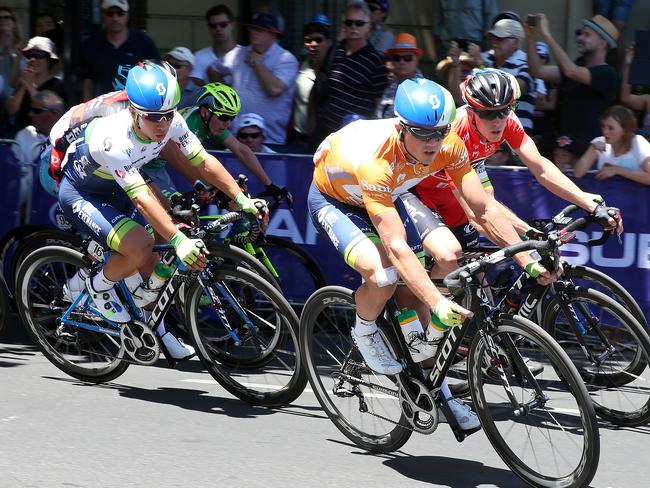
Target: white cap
x=507 y=28
x=44 y=44
x=251 y=119
x=182 y=54
x=121 y=4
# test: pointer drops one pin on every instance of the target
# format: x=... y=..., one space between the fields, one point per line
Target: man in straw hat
x=589 y=84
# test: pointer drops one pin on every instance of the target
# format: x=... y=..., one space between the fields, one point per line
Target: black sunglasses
x=224 y=117
x=114 y=13
x=358 y=23
x=248 y=135
x=36 y=55
x=426 y=134
x=157 y=117
x=493 y=114
x=316 y=39
x=396 y=58
x=221 y=25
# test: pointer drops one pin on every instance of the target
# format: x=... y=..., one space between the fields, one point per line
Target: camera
x=531 y=20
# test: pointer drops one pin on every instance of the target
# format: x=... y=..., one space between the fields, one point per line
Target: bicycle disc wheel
x=262 y=365
x=550 y=438
x=83 y=354
x=300 y=275
x=596 y=280
x=370 y=418
x=615 y=370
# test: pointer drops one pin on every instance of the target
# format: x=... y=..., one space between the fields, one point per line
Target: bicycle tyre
x=610 y=284
x=494 y=413
x=313 y=336
x=4 y=310
x=56 y=351
x=8 y=245
x=629 y=359
x=255 y=379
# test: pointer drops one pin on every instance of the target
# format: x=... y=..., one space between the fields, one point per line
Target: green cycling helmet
x=220 y=99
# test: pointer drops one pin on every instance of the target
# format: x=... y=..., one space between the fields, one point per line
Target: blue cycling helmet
x=152 y=87
x=424 y=103
x=349 y=118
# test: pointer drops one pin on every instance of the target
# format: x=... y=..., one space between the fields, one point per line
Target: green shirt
x=196 y=125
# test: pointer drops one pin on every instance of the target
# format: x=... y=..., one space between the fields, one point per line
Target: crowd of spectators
x=352 y=66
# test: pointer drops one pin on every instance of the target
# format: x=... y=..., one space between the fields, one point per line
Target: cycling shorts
x=346 y=226
x=91 y=214
x=466 y=234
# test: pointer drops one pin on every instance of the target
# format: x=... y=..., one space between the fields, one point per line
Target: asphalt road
x=160 y=427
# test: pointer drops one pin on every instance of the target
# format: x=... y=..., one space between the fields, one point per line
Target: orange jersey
x=364 y=165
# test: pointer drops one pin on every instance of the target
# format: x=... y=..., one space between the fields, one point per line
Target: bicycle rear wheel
x=611 y=351
x=89 y=356
x=258 y=361
x=343 y=384
x=550 y=438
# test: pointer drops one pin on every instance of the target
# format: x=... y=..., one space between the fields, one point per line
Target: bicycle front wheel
x=610 y=349
x=89 y=356
x=533 y=405
x=356 y=399
x=247 y=336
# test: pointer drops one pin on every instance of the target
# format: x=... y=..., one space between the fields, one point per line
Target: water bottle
x=512 y=301
x=161 y=273
x=414 y=334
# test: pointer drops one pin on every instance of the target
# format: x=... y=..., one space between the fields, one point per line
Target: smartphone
x=462 y=44
x=531 y=20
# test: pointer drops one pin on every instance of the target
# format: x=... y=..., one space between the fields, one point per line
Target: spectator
x=251 y=132
x=545 y=104
x=619 y=151
x=587 y=86
x=264 y=75
x=635 y=102
x=316 y=39
x=46 y=25
x=115 y=45
x=454 y=69
x=11 y=40
x=505 y=39
x=356 y=78
x=42 y=60
x=46 y=108
x=182 y=60
x=618 y=11
x=380 y=38
x=404 y=56
x=216 y=62
x=463 y=21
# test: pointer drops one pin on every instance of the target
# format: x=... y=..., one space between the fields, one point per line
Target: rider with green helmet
x=209 y=119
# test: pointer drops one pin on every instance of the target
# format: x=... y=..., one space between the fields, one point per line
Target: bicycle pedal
x=139 y=342
x=65 y=335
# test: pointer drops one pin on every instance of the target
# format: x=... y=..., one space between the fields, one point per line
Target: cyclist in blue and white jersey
x=102 y=185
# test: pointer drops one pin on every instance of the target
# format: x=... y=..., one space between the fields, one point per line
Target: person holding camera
x=588 y=84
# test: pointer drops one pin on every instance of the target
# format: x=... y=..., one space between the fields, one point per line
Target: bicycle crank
x=418 y=404
x=139 y=342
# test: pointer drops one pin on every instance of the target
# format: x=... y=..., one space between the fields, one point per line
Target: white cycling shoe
x=376 y=354
x=465 y=416
x=108 y=303
x=176 y=348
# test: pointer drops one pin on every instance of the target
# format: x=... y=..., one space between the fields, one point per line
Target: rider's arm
x=173 y=155
x=148 y=205
x=585 y=162
x=248 y=159
x=213 y=172
x=551 y=178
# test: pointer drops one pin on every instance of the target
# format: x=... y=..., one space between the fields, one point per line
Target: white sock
x=364 y=327
x=133 y=282
x=101 y=283
x=76 y=283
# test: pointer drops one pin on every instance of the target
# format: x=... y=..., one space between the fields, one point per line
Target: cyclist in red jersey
x=483 y=125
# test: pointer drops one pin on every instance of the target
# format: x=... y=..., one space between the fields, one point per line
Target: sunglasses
x=249 y=135
x=222 y=117
x=317 y=40
x=493 y=114
x=358 y=23
x=6 y=17
x=157 y=117
x=221 y=25
x=114 y=13
x=396 y=58
x=36 y=55
x=426 y=134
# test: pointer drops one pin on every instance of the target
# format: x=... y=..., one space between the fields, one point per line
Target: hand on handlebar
x=534 y=269
x=450 y=313
x=277 y=194
x=255 y=206
x=610 y=218
x=191 y=252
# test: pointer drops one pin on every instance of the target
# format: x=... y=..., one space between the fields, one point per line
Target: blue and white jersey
x=109 y=153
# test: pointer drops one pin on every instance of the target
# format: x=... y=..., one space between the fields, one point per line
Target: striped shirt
x=517 y=65
x=354 y=84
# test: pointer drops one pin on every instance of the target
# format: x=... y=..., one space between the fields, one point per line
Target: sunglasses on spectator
x=316 y=39
x=426 y=133
x=358 y=23
x=114 y=13
x=157 y=117
x=493 y=114
x=402 y=57
x=221 y=25
x=249 y=135
x=36 y=55
x=6 y=17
